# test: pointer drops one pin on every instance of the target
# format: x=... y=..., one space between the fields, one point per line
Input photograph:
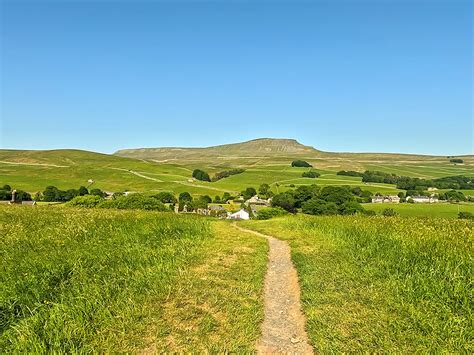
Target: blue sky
x=378 y=76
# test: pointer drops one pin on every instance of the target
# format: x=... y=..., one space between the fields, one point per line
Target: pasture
x=375 y=284
x=124 y=281
x=442 y=210
x=32 y=171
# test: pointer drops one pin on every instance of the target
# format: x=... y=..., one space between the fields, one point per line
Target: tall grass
x=88 y=280
x=383 y=284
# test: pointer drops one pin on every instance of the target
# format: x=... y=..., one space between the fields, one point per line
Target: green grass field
x=374 y=284
x=124 y=281
x=443 y=210
x=34 y=170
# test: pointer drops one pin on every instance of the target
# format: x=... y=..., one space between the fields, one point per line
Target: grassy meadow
x=126 y=281
x=442 y=210
x=32 y=171
x=377 y=284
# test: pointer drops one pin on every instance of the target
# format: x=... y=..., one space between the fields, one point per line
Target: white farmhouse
x=423 y=199
x=242 y=214
x=385 y=199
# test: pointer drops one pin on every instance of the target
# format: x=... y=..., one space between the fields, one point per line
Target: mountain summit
x=255 y=147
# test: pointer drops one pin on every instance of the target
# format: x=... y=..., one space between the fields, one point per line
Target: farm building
x=255 y=200
x=242 y=214
x=385 y=199
x=423 y=199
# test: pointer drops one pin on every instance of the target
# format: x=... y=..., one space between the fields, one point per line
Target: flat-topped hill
x=255 y=147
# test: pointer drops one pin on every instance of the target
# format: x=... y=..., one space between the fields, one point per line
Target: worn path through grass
x=283 y=328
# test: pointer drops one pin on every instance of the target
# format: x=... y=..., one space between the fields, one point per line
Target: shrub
x=134 y=201
x=389 y=212
x=98 y=192
x=456 y=161
x=369 y=213
x=301 y=164
x=466 y=215
x=311 y=174
x=270 y=212
x=87 y=201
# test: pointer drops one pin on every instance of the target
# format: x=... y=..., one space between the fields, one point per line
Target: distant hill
x=265 y=147
x=265 y=160
x=58 y=157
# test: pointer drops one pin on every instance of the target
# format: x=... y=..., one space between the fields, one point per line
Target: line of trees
x=457 y=182
x=20 y=195
x=226 y=173
x=53 y=194
x=329 y=200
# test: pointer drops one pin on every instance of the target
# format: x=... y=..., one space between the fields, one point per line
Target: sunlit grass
x=382 y=284
x=125 y=281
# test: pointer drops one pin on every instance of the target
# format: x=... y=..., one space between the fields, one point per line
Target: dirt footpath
x=283 y=328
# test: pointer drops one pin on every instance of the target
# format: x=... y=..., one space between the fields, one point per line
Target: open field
x=377 y=284
x=34 y=170
x=443 y=210
x=124 y=281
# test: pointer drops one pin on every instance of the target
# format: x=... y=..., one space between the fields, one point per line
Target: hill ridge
x=267 y=146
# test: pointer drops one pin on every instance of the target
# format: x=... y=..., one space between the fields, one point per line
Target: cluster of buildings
x=396 y=199
x=219 y=211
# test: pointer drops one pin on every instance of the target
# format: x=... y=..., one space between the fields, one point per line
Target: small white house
x=385 y=199
x=242 y=214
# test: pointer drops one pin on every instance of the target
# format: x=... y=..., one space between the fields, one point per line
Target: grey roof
x=216 y=208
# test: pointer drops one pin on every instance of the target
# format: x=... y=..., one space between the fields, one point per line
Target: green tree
x=284 y=200
x=301 y=164
x=207 y=199
x=98 y=192
x=248 y=193
x=350 y=207
x=317 y=206
x=165 y=197
x=263 y=189
x=201 y=175
x=336 y=194
x=185 y=197
x=83 y=191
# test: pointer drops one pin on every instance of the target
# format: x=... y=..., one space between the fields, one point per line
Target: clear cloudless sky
x=340 y=75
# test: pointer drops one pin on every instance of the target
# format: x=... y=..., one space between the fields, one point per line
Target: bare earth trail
x=283 y=328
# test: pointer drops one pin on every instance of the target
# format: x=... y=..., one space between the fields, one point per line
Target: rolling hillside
x=169 y=169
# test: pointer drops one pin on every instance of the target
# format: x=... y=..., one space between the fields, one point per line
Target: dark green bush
x=301 y=164
x=87 y=201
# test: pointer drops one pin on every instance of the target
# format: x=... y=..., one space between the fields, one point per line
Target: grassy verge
x=112 y=281
x=382 y=284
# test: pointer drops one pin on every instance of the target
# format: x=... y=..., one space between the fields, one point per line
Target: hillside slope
x=170 y=169
x=262 y=147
